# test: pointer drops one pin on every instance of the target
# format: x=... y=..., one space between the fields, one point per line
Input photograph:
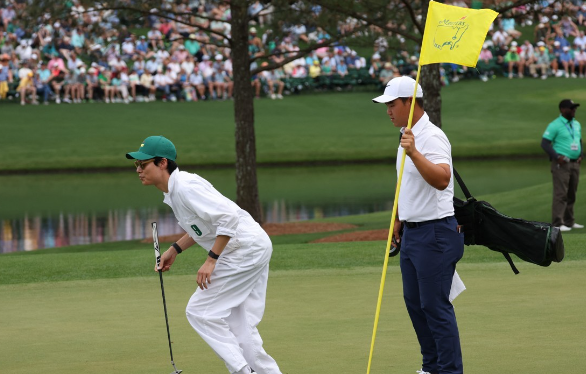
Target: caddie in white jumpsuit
x=230 y=300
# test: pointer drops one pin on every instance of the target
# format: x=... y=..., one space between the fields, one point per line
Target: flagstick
x=395 y=205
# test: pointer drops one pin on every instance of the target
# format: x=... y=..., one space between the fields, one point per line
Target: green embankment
x=496 y=118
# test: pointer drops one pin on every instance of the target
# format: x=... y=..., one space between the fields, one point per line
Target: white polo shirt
x=205 y=213
x=419 y=201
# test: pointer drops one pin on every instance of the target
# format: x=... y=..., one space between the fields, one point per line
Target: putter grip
x=156 y=243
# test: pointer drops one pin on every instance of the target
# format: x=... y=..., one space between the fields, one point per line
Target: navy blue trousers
x=429 y=254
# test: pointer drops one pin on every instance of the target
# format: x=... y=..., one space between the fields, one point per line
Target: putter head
x=176 y=371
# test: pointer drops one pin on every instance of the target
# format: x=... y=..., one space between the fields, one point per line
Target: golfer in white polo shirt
x=431 y=243
x=230 y=300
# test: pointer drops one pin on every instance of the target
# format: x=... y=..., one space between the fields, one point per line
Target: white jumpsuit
x=226 y=314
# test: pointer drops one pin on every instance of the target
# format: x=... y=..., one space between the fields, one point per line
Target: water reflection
x=280 y=211
x=30 y=233
x=54 y=210
x=37 y=232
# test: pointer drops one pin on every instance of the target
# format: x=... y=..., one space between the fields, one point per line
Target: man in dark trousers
x=562 y=140
x=431 y=243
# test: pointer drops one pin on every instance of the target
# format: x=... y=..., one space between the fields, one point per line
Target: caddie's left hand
x=205 y=272
x=167 y=259
x=408 y=142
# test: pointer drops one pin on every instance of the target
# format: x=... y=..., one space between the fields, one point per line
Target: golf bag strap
x=462 y=185
x=510 y=260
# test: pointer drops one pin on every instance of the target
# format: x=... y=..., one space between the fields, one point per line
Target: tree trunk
x=246 y=181
x=431 y=83
x=432 y=99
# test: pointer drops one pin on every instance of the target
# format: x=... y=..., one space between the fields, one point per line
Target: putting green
x=317 y=321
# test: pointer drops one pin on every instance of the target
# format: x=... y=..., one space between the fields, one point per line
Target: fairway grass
x=317 y=321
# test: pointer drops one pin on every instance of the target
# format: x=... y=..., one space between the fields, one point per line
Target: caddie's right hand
x=167 y=259
x=561 y=160
x=397 y=230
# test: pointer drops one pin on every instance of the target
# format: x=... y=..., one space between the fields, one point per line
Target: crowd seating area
x=97 y=56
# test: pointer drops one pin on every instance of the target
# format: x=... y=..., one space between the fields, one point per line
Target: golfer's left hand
x=205 y=272
x=408 y=142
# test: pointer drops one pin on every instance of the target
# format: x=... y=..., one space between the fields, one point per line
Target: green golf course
x=498 y=118
x=97 y=308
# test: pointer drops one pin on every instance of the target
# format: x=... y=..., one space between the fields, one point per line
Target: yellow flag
x=454 y=34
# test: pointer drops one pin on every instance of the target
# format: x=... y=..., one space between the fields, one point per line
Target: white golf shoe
x=564 y=228
x=420 y=371
x=577 y=226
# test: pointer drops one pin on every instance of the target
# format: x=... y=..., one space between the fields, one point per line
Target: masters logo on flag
x=454 y=34
x=448 y=33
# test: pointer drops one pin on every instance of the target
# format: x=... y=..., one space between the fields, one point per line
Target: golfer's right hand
x=167 y=259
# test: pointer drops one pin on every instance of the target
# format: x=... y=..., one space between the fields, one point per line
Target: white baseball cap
x=399 y=87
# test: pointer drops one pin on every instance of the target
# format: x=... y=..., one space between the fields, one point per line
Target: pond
x=52 y=210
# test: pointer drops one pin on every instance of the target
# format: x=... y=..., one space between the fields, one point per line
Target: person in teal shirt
x=192 y=45
x=562 y=141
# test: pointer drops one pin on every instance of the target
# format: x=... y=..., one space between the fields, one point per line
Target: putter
x=158 y=257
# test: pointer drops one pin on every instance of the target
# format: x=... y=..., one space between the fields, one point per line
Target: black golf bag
x=536 y=242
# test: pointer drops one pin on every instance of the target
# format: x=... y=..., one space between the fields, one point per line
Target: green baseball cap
x=154 y=146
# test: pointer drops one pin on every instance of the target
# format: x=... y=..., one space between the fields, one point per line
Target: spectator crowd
x=93 y=55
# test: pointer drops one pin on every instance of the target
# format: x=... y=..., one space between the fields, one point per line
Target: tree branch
x=160 y=15
x=300 y=53
x=413 y=16
x=515 y=4
x=371 y=21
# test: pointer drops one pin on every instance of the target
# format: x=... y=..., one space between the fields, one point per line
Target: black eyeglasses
x=142 y=164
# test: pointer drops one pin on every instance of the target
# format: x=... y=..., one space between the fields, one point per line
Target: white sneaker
x=279 y=96
x=574 y=75
x=564 y=228
x=273 y=96
x=577 y=226
x=420 y=371
x=58 y=100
